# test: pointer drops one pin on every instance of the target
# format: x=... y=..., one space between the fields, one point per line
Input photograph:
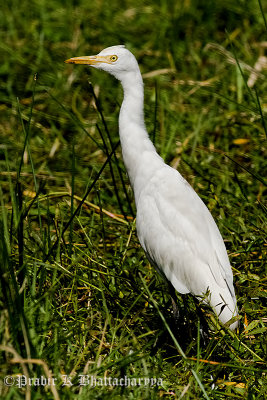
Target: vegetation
x=78 y=298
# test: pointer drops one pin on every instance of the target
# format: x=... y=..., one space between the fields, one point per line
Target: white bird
x=174 y=226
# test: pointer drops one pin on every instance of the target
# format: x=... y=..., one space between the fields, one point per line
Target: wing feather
x=175 y=226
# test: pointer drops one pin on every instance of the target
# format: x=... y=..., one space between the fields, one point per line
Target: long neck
x=139 y=154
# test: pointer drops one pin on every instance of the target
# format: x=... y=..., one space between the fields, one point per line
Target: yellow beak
x=88 y=60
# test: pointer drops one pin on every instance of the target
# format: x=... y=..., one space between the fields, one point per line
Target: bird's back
x=181 y=238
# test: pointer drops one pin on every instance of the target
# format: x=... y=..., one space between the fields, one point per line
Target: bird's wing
x=169 y=210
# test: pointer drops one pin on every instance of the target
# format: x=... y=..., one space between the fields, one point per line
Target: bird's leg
x=204 y=328
x=183 y=319
x=175 y=309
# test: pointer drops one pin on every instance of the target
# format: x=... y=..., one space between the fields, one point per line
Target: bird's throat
x=137 y=148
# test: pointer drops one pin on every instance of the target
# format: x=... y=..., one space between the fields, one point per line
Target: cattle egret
x=174 y=227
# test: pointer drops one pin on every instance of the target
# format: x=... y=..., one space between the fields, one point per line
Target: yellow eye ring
x=113 y=58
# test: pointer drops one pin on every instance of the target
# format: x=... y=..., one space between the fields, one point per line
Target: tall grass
x=78 y=298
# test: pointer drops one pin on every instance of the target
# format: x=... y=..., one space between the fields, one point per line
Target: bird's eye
x=113 y=58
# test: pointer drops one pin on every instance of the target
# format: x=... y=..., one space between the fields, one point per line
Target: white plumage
x=174 y=226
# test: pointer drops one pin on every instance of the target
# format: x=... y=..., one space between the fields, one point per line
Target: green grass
x=78 y=296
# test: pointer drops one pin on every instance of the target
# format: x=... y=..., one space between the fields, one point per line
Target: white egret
x=174 y=227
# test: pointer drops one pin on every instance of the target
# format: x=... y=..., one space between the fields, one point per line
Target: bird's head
x=116 y=60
